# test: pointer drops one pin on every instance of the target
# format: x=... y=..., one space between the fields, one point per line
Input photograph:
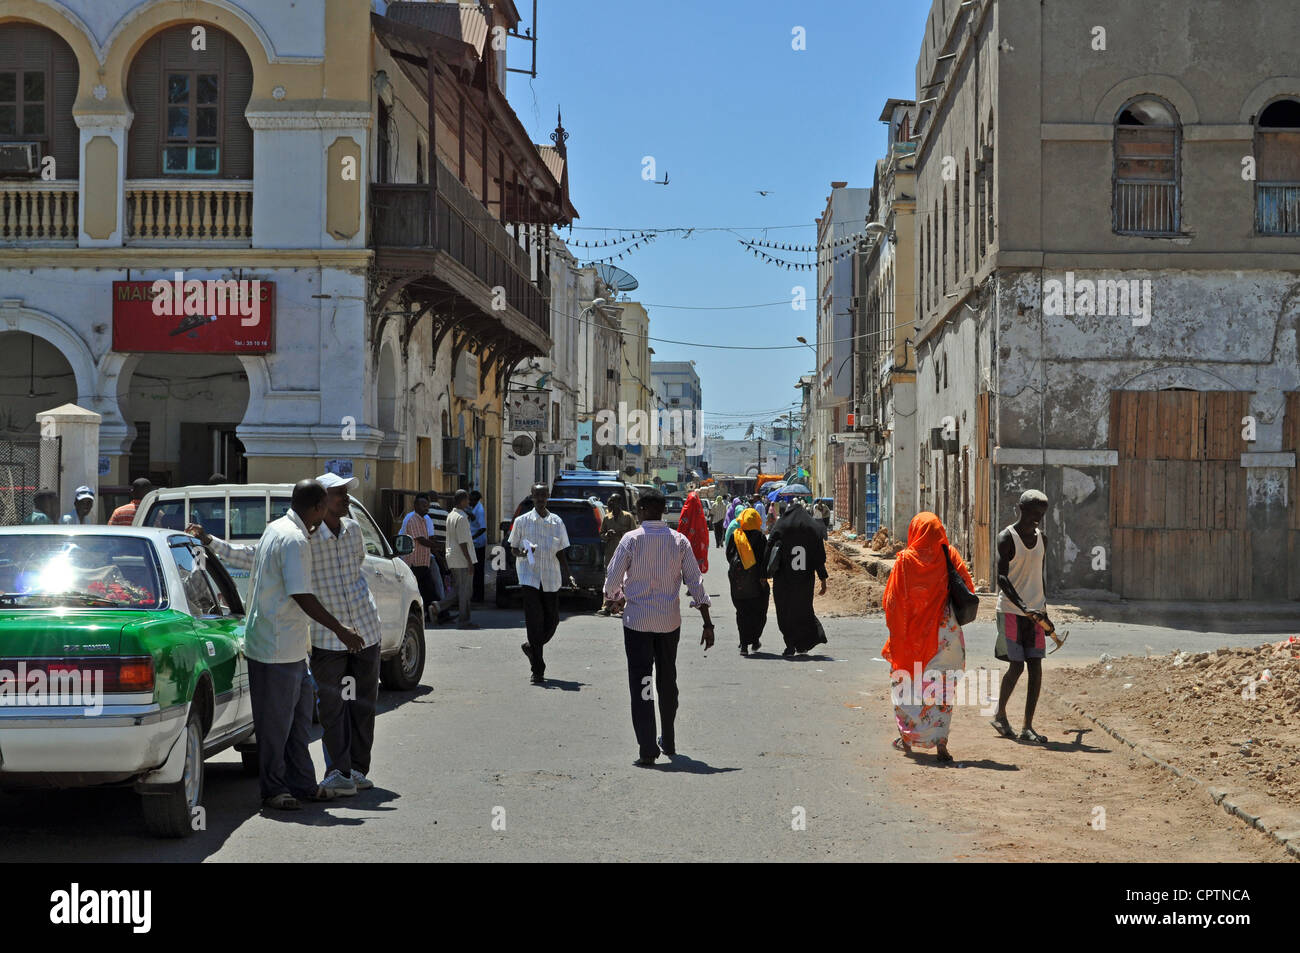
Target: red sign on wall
x=194 y=317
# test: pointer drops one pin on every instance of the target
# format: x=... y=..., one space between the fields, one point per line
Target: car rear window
x=211 y=514
x=167 y=514
x=37 y=571
x=580 y=491
x=579 y=520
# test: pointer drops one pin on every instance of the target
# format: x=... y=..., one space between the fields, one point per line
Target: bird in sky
x=764 y=193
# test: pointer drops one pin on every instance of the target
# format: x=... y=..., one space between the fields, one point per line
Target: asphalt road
x=480 y=765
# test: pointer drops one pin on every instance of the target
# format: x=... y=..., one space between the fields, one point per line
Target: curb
x=1290 y=840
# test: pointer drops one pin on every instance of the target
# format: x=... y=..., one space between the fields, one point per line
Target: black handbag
x=965 y=604
x=773 y=565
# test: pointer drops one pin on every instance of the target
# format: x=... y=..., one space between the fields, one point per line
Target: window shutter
x=65 y=141
x=237 y=145
x=9 y=45
x=144 y=145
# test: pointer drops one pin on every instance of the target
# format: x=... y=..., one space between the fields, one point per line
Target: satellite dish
x=616 y=278
x=522 y=445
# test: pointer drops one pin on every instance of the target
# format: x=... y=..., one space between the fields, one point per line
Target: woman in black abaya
x=801 y=554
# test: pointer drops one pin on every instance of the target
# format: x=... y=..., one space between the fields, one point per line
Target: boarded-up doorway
x=1178 y=500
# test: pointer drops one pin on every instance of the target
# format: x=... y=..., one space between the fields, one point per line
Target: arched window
x=943 y=241
x=988 y=184
x=956 y=229
x=189 y=107
x=1277 y=170
x=38 y=86
x=981 y=173
x=965 y=214
x=1147 y=139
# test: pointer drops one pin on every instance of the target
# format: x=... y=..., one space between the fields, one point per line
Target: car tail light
x=114 y=675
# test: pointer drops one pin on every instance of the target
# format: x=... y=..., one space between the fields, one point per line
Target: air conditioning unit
x=20 y=159
x=950 y=446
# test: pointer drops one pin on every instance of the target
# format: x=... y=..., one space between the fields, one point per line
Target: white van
x=239 y=512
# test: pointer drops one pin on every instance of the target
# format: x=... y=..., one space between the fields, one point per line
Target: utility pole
x=760 y=454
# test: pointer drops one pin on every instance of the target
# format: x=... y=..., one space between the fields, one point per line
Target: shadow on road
x=389 y=701
x=564 y=686
x=682 y=764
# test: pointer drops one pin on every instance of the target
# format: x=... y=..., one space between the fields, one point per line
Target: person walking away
x=282 y=607
x=478 y=526
x=437 y=520
x=925 y=649
x=1021 y=610
x=823 y=513
x=124 y=515
x=461 y=555
x=692 y=525
x=746 y=554
x=616 y=524
x=649 y=567
x=538 y=540
x=83 y=503
x=420 y=559
x=800 y=553
x=45 y=508
x=718 y=516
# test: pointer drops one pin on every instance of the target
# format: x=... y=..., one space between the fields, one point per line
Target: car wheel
x=402 y=672
x=170 y=813
x=250 y=762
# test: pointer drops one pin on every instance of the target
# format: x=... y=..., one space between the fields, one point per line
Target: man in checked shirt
x=347 y=682
x=649 y=566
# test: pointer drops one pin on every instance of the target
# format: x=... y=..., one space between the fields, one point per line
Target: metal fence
x=27 y=464
x=1146 y=207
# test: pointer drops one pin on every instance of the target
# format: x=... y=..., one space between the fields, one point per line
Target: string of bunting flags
x=645 y=239
x=796 y=265
x=607 y=242
x=809 y=249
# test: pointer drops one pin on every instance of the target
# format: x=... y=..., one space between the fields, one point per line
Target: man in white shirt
x=461 y=556
x=83 y=502
x=649 y=566
x=338 y=579
x=538 y=540
x=281 y=608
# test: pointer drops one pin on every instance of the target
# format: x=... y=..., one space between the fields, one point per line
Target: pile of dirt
x=854 y=585
x=1231 y=717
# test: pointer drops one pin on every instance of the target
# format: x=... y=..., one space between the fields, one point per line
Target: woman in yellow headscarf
x=746 y=552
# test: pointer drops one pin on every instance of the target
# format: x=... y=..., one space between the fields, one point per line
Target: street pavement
x=778 y=759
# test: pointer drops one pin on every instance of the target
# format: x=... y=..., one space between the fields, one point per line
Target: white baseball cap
x=331 y=480
x=85 y=493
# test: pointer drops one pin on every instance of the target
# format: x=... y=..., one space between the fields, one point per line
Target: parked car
x=240 y=512
x=156 y=633
x=673 y=510
x=602 y=484
x=586 y=553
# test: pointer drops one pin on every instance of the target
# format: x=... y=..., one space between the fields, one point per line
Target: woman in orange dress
x=925 y=650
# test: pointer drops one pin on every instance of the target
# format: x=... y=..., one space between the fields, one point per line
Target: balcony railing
x=1146 y=207
x=167 y=212
x=38 y=212
x=455 y=222
x=1277 y=208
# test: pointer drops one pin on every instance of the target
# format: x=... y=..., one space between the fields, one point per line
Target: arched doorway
x=34 y=376
x=186 y=408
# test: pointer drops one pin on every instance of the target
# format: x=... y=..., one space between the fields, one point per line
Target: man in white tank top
x=1022 y=607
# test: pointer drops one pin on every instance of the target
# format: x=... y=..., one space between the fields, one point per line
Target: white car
x=240 y=512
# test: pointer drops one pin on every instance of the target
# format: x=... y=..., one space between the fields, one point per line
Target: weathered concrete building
x=1108 y=198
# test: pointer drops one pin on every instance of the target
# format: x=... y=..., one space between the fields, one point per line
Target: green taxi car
x=121 y=662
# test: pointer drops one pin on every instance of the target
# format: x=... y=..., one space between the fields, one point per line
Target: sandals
x=943 y=757
x=1002 y=727
x=282 y=802
x=901 y=745
x=1030 y=735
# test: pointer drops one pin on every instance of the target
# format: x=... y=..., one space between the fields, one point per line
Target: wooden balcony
x=38 y=213
x=449 y=239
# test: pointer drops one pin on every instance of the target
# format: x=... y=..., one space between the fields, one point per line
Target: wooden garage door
x=1291 y=441
x=1178 y=497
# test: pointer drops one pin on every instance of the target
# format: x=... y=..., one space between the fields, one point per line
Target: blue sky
x=715 y=93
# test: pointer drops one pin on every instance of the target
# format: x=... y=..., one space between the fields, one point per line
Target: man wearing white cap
x=347 y=682
x=83 y=503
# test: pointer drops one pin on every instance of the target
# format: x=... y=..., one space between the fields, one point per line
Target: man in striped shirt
x=125 y=515
x=649 y=566
x=338 y=553
x=417 y=525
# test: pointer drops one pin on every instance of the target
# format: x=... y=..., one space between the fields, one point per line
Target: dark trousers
x=719 y=530
x=480 y=552
x=347 y=723
x=428 y=588
x=283 y=701
x=542 y=617
x=647 y=651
